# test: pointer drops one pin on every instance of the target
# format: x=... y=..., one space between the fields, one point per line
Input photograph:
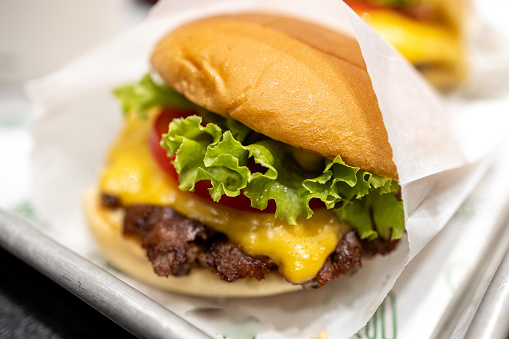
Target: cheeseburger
x=427 y=32
x=253 y=161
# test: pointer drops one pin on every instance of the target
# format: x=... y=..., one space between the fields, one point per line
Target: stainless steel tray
x=134 y=311
x=480 y=307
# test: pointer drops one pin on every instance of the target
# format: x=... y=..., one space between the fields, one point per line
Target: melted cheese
x=419 y=41
x=299 y=251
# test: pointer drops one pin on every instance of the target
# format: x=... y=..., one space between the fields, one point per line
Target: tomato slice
x=160 y=127
x=419 y=11
x=361 y=6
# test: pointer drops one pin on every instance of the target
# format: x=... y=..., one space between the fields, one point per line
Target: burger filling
x=176 y=244
x=310 y=219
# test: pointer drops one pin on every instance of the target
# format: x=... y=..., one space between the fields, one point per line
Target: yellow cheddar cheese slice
x=419 y=41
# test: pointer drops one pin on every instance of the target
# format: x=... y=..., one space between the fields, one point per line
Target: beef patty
x=176 y=244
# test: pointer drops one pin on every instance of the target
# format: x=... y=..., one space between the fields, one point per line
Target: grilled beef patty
x=176 y=244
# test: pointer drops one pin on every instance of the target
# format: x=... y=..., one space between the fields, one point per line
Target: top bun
x=290 y=80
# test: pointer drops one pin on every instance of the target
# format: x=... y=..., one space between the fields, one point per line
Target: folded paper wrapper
x=438 y=164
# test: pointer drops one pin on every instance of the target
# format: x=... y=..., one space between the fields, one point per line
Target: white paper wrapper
x=78 y=118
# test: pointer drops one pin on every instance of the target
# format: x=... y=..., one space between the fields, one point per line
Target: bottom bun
x=127 y=255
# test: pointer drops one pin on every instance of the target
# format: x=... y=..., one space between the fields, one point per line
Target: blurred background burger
x=429 y=33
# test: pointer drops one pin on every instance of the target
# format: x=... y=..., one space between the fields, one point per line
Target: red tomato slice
x=361 y=6
x=420 y=11
x=240 y=202
x=160 y=127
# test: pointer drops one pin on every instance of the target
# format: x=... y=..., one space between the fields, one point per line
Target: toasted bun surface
x=127 y=255
x=290 y=80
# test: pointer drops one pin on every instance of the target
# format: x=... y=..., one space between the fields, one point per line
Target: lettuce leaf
x=146 y=94
x=219 y=152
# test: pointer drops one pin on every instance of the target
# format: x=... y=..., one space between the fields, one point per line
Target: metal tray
x=134 y=311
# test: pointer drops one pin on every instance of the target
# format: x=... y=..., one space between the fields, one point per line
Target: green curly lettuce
x=145 y=94
x=220 y=155
x=220 y=149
